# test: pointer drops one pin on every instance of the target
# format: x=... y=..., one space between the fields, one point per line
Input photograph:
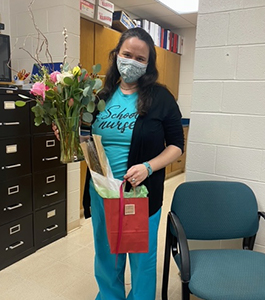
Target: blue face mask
x=130 y=69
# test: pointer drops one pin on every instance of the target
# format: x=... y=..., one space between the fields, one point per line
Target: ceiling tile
x=156 y=12
x=151 y=10
x=127 y=3
x=190 y=17
x=175 y=21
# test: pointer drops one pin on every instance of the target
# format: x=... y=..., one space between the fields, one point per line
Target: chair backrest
x=213 y=210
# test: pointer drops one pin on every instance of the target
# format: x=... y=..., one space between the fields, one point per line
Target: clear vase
x=69 y=139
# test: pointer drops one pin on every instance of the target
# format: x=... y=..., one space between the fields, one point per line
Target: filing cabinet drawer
x=43 y=128
x=14 y=121
x=50 y=224
x=49 y=187
x=16 y=198
x=16 y=237
x=15 y=157
x=46 y=152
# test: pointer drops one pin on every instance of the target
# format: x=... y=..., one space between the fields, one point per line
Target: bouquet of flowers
x=66 y=98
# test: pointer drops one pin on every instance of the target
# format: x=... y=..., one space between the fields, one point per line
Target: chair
x=215 y=210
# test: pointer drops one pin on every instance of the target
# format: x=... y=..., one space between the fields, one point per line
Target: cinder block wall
x=227 y=130
x=51 y=17
x=186 y=70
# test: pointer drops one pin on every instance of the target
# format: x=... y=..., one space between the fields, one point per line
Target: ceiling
x=156 y=12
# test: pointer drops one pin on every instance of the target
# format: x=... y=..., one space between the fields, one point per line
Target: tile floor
x=63 y=270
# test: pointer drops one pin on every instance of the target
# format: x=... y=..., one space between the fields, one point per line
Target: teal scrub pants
x=109 y=274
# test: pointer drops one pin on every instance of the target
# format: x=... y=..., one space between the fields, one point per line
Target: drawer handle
x=51 y=228
x=12 y=247
x=50 y=179
x=13 y=207
x=11 y=123
x=13 y=190
x=49 y=158
x=14 y=229
x=12 y=166
x=50 y=143
x=50 y=194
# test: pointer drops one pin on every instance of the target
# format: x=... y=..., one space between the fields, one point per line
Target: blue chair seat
x=227 y=274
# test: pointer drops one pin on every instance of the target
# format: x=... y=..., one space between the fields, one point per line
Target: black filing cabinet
x=32 y=182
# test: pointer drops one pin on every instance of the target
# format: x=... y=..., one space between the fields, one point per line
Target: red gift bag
x=127 y=224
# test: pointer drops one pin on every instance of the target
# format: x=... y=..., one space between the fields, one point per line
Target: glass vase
x=69 y=139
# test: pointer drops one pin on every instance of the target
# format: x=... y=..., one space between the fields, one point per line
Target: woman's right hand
x=56 y=131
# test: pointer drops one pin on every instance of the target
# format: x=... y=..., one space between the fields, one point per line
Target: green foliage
x=71 y=93
x=87 y=117
x=96 y=68
x=101 y=105
x=68 y=81
x=91 y=107
x=97 y=84
x=20 y=103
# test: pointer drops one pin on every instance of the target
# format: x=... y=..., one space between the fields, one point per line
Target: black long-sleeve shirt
x=159 y=128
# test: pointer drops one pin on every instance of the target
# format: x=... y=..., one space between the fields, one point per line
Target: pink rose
x=53 y=76
x=71 y=102
x=38 y=89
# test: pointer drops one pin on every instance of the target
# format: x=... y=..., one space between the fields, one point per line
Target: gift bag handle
x=121 y=205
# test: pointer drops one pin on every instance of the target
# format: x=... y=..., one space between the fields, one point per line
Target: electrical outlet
x=2 y=26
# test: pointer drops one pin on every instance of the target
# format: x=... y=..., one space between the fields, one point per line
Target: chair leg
x=185 y=291
x=166 y=263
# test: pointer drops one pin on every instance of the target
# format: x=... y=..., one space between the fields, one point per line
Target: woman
x=140 y=118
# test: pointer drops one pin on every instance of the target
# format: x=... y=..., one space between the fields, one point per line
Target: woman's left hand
x=136 y=174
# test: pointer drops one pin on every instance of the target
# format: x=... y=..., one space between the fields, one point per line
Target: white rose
x=60 y=77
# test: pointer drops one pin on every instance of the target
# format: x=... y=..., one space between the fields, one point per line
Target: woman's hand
x=136 y=174
x=56 y=131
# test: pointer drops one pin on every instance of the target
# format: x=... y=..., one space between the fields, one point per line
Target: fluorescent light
x=181 y=6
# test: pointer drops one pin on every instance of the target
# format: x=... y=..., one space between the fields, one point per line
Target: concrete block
x=73 y=166
x=18 y=7
x=201 y=157
x=73 y=181
x=72 y=204
x=210 y=128
x=206 y=96
x=186 y=64
x=215 y=63
x=28 y=27
x=185 y=111
x=212 y=30
x=186 y=78
x=243 y=97
x=184 y=100
x=219 y=5
x=251 y=62
x=185 y=88
x=73 y=50
x=252 y=3
x=238 y=162
x=246 y=26
x=262 y=176
x=27 y=43
x=195 y=176
x=248 y=131
x=259 y=248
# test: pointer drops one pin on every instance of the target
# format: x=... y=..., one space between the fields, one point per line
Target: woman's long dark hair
x=145 y=82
